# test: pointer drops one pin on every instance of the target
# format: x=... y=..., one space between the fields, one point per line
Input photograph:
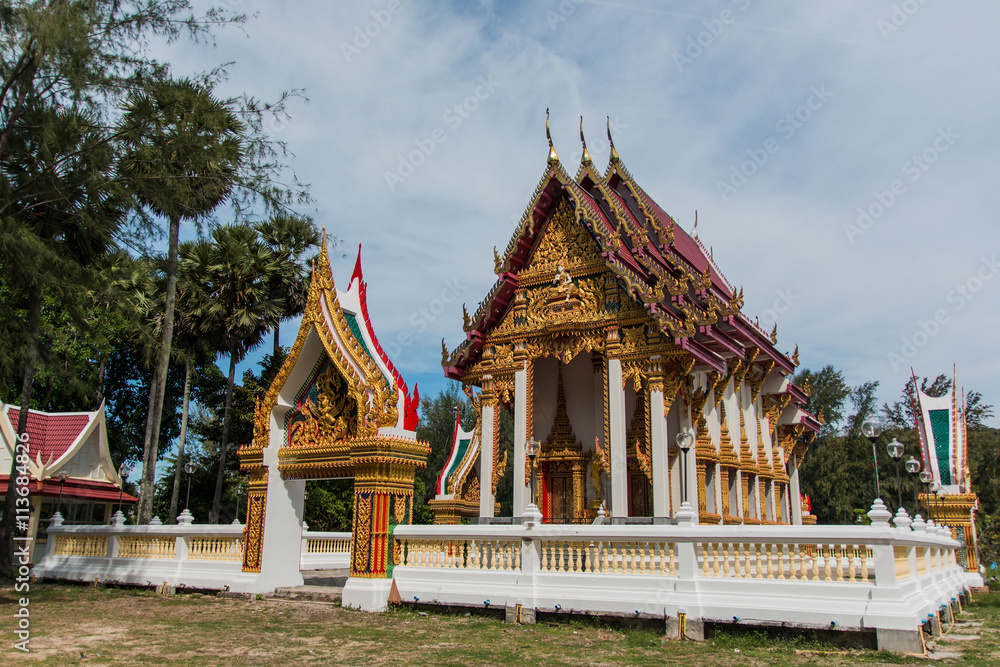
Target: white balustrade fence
x=187 y=554
x=833 y=577
x=829 y=577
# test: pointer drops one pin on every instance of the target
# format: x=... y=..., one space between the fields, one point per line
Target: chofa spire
x=614 y=153
x=553 y=157
x=586 y=154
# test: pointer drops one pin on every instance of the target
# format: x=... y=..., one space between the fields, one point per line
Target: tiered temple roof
x=661 y=267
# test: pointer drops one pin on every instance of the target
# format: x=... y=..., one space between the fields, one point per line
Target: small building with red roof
x=75 y=442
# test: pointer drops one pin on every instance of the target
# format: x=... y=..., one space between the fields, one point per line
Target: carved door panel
x=561 y=490
x=640 y=495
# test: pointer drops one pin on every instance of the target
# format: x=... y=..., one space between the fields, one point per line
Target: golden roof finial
x=586 y=155
x=553 y=157
x=614 y=153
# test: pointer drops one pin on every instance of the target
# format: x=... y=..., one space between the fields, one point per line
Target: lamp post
x=913 y=467
x=934 y=488
x=239 y=492
x=684 y=441
x=872 y=429
x=532 y=449
x=189 y=469
x=63 y=474
x=895 y=450
x=926 y=477
x=123 y=471
x=942 y=513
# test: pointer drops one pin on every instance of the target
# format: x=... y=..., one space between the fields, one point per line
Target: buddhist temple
x=70 y=469
x=609 y=331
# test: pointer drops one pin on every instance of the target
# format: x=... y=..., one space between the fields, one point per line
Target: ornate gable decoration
x=352 y=391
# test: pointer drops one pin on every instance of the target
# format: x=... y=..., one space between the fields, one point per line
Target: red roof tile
x=50 y=434
x=75 y=488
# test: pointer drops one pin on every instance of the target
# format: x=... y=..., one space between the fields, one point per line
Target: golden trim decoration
x=499 y=468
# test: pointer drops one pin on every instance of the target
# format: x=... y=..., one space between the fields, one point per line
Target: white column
x=486 y=499
x=659 y=447
x=794 y=492
x=521 y=491
x=619 y=461
x=281 y=548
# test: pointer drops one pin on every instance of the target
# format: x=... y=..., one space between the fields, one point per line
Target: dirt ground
x=108 y=626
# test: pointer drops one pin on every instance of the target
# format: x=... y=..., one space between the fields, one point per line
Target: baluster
x=815 y=562
x=827 y=566
x=672 y=564
x=715 y=559
x=840 y=564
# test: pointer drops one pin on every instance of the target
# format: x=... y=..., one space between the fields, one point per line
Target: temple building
x=70 y=469
x=949 y=500
x=608 y=332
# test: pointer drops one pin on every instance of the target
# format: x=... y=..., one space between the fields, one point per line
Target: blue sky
x=841 y=155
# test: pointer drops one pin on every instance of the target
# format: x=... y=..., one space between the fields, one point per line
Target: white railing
x=186 y=554
x=325 y=551
x=842 y=577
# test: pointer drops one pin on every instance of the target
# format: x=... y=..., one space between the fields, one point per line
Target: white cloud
x=680 y=132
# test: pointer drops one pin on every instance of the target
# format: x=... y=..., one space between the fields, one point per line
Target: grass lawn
x=79 y=624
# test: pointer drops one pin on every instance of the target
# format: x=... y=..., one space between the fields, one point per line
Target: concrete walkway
x=320 y=586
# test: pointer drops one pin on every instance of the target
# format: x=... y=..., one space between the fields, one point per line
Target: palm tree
x=183 y=151
x=59 y=210
x=235 y=273
x=192 y=344
x=290 y=238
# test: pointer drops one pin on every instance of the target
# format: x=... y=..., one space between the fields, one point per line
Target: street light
x=533 y=448
x=239 y=492
x=189 y=469
x=927 y=477
x=913 y=467
x=934 y=488
x=895 y=451
x=872 y=429
x=684 y=441
x=123 y=471
x=63 y=474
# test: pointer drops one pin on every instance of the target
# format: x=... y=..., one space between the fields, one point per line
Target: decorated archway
x=337 y=408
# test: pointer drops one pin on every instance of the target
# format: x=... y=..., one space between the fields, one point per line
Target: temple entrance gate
x=337 y=408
